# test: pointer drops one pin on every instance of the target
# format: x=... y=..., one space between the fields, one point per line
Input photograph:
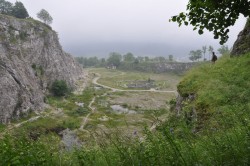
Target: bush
x=60 y=88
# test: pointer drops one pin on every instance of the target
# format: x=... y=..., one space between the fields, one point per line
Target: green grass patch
x=70 y=103
x=2 y=127
x=71 y=123
x=119 y=79
x=221 y=90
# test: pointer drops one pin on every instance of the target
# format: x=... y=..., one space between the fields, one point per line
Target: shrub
x=59 y=88
x=23 y=35
x=33 y=66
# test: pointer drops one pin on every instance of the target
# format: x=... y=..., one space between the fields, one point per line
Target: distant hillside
x=31 y=58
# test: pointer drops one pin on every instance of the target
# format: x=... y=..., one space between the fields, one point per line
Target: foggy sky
x=98 y=27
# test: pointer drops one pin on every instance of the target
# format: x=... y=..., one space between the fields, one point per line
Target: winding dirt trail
x=29 y=120
x=98 y=76
x=85 y=119
x=94 y=81
x=34 y=118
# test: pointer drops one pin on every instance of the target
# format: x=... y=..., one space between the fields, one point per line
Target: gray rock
x=242 y=44
x=31 y=59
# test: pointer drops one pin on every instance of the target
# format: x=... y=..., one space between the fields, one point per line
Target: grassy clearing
x=149 y=107
x=119 y=79
x=111 y=141
x=69 y=103
x=42 y=126
x=142 y=100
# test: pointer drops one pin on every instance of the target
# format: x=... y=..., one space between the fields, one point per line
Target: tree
x=161 y=59
x=192 y=55
x=59 y=88
x=140 y=58
x=92 y=61
x=136 y=61
x=147 y=59
x=204 y=50
x=114 y=59
x=170 y=58
x=195 y=55
x=19 y=11
x=223 y=50
x=213 y=15
x=129 y=57
x=103 y=60
x=198 y=54
x=6 y=7
x=45 y=16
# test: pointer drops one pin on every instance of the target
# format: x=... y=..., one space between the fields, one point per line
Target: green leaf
x=174 y=18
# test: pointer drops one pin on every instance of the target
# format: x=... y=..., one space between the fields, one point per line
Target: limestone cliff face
x=242 y=44
x=31 y=58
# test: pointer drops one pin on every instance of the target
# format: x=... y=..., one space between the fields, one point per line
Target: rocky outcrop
x=242 y=44
x=31 y=58
x=181 y=101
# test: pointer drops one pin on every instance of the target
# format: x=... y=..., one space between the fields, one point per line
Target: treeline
x=91 y=61
x=117 y=60
x=17 y=10
x=129 y=62
x=196 y=55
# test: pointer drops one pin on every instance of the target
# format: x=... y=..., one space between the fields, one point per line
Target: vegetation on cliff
x=17 y=10
x=31 y=60
x=59 y=88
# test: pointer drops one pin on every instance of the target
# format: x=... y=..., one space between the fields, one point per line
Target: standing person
x=214 y=58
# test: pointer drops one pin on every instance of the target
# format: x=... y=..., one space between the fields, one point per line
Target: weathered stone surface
x=242 y=44
x=31 y=58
